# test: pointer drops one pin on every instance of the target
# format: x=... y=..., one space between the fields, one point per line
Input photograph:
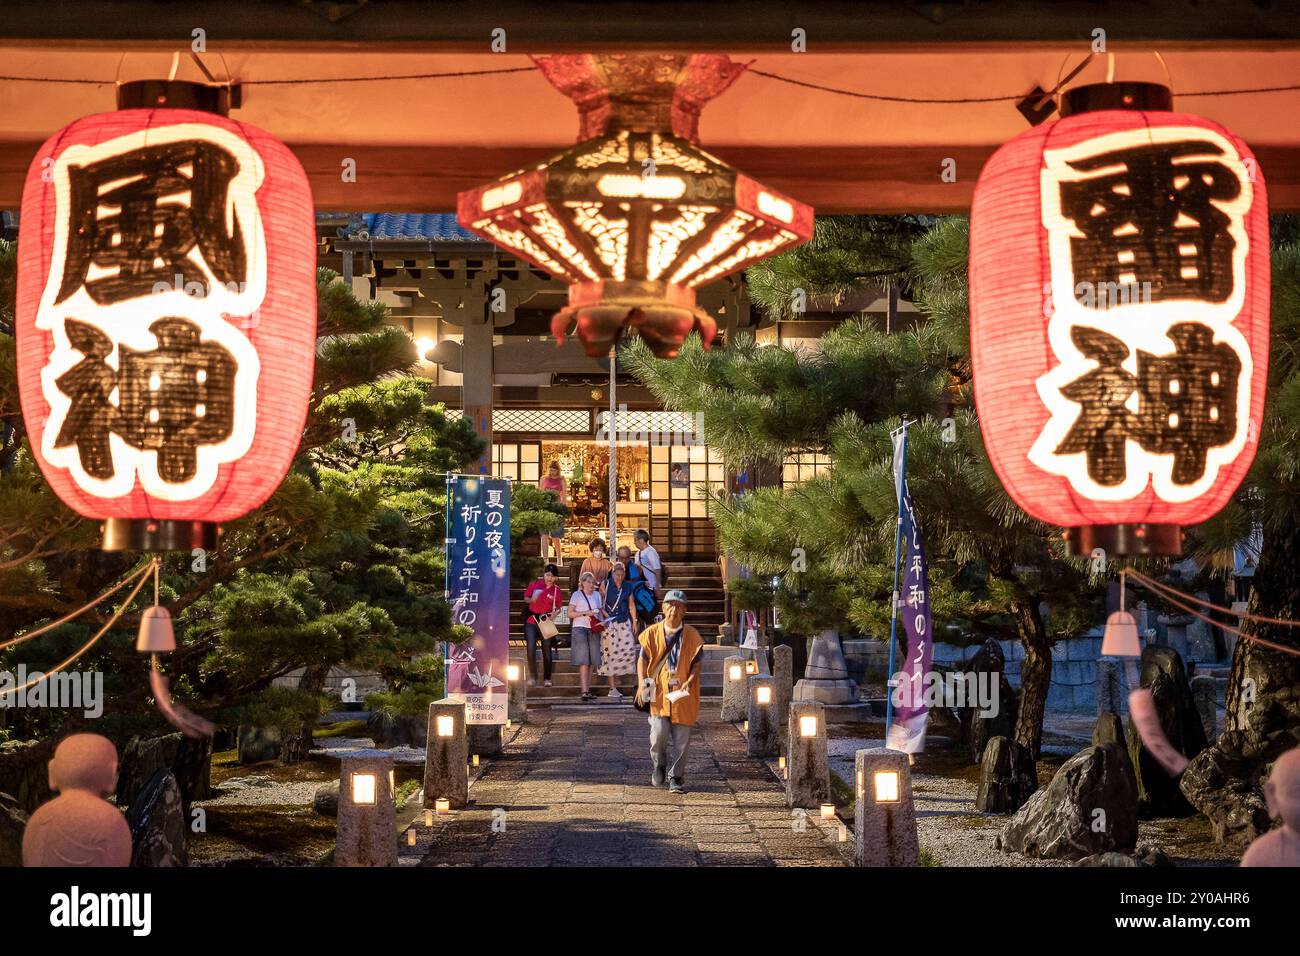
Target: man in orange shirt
x=668 y=674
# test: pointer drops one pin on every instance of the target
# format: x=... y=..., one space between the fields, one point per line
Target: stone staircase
x=702 y=583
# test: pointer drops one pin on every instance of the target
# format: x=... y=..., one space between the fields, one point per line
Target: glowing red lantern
x=166 y=322
x=1119 y=289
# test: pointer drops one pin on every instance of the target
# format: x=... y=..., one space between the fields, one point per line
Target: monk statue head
x=1282 y=791
x=79 y=827
x=84 y=762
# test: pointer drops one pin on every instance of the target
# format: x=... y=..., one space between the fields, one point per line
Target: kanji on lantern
x=166 y=314
x=1119 y=316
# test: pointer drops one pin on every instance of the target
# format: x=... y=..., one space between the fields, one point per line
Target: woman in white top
x=586 y=616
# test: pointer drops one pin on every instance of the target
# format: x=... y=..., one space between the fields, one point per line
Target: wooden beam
x=585 y=25
x=832 y=179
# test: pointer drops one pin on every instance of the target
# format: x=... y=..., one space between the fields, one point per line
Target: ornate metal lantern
x=636 y=215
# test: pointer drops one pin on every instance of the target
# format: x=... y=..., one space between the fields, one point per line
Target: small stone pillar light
x=367 y=813
x=783 y=687
x=764 y=740
x=808 y=782
x=518 y=707
x=447 y=754
x=734 y=707
x=885 y=825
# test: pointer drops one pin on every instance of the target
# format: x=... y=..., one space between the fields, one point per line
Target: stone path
x=575 y=787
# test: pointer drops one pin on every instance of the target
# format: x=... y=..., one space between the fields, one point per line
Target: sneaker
x=546 y=684
x=658 y=777
x=676 y=785
x=531 y=682
x=615 y=693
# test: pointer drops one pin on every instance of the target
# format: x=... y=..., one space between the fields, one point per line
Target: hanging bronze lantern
x=636 y=216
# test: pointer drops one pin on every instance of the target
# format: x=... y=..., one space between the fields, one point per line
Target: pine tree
x=994 y=571
x=1263 y=709
x=342 y=565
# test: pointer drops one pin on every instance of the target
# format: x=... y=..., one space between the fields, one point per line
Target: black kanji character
x=88 y=384
x=1104 y=422
x=177 y=396
x=1152 y=226
x=1189 y=399
x=149 y=231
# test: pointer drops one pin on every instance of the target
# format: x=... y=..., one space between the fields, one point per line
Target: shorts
x=584 y=647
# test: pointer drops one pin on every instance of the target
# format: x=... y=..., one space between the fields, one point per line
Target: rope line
x=46 y=628
x=140 y=583
x=1281 y=648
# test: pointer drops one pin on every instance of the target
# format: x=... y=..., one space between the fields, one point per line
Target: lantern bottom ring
x=151 y=534
x=1120 y=540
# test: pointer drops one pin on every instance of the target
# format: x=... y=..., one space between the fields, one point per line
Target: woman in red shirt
x=544 y=597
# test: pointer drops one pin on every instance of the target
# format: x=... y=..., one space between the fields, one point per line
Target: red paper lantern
x=1119 y=289
x=166 y=323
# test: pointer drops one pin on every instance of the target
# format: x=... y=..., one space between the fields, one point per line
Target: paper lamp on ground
x=637 y=215
x=1119 y=289
x=166 y=315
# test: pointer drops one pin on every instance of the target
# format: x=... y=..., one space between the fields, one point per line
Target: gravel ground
x=956 y=835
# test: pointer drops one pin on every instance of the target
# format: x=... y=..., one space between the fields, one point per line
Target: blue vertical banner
x=907 y=697
x=478 y=587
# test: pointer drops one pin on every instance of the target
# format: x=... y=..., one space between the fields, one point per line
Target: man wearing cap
x=668 y=673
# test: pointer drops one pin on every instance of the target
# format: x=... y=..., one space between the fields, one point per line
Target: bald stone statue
x=1280 y=846
x=79 y=827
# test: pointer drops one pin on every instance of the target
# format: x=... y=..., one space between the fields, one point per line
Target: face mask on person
x=598 y=554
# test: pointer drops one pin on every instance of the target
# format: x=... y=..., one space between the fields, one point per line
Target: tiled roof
x=439 y=227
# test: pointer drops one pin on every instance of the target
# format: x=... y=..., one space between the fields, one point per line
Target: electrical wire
x=766 y=74
x=1167 y=593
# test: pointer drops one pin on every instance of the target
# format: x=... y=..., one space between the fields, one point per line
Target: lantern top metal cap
x=1127 y=95
x=639 y=91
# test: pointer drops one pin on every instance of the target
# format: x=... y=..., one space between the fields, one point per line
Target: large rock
x=389 y=730
x=989 y=665
x=189 y=759
x=326 y=802
x=258 y=744
x=826 y=676
x=13 y=820
x=1205 y=692
x=158 y=823
x=1228 y=789
x=24 y=773
x=142 y=758
x=1008 y=777
x=1165 y=676
x=1089 y=807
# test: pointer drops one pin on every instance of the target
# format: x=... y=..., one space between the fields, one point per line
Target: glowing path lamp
x=367 y=814
x=1119 y=286
x=166 y=314
x=885 y=821
x=808 y=784
x=636 y=216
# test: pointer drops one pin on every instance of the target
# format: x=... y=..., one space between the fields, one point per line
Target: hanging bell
x=156 y=634
x=1120 y=639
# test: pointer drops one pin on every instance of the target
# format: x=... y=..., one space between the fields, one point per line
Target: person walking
x=585 y=617
x=647 y=559
x=668 y=676
x=544 y=597
x=597 y=564
x=618 y=644
x=553 y=481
